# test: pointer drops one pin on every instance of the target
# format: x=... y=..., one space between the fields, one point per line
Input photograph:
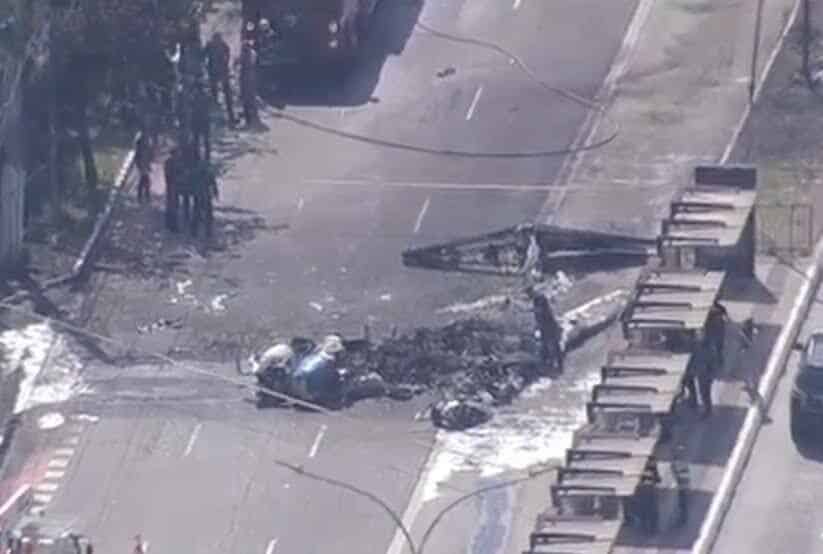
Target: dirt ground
x=783 y=137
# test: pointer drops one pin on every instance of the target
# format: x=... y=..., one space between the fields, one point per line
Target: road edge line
x=605 y=95
x=724 y=159
x=775 y=367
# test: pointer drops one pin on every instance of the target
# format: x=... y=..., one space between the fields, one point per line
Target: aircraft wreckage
x=474 y=364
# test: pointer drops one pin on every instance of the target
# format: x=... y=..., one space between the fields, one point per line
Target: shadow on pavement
x=747 y=290
x=391 y=27
x=676 y=539
x=140 y=246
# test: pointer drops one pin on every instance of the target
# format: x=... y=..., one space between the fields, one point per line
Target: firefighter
x=173 y=173
x=716 y=329
x=218 y=57
x=549 y=329
x=143 y=160
x=248 y=83
x=680 y=470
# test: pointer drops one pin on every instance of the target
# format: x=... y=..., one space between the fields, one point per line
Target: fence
x=785 y=228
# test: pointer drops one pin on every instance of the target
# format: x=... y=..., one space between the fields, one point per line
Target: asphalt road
x=776 y=508
x=187 y=461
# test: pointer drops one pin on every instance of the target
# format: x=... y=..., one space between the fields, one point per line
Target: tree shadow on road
x=139 y=245
x=391 y=28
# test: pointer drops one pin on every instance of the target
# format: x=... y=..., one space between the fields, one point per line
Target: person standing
x=173 y=172
x=143 y=157
x=248 y=83
x=266 y=50
x=550 y=331
x=706 y=371
x=201 y=123
x=682 y=479
x=218 y=56
x=716 y=329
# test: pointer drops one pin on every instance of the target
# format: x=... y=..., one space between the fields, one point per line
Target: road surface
x=311 y=227
x=775 y=508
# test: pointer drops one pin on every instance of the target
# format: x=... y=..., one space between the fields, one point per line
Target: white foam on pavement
x=51 y=420
x=509 y=442
x=30 y=349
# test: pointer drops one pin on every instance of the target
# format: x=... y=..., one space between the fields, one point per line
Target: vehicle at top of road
x=319 y=34
x=807 y=388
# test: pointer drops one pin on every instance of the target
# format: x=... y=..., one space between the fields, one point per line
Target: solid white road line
x=473 y=105
x=270 y=548
x=421 y=215
x=192 y=439
x=759 y=85
x=398 y=544
x=7 y=505
x=316 y=445
x=568 y=171
x=536 y=187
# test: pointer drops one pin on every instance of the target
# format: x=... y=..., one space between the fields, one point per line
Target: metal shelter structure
x=709 y=233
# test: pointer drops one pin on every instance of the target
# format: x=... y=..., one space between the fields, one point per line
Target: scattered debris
x=160 y=325
x=316 y=306
x=51 y=420
x=86 y=417
x=446 y=72
x=385 y=297
x=474 y=364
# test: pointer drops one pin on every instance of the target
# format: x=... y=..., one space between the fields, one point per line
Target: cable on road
x=243 y=383
x=530 y=74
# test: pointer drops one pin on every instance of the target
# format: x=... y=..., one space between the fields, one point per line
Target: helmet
x=250 y=26
x=277 y=355
x=332 y=344
x=264 y=24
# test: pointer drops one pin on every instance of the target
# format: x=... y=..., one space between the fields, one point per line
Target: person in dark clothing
x=173 y=172
x=647 y=497
x=682 y=477
x=200 y=123
x=266 y=50
x=706 y=371
x=248 y=83
x=218 y=57
x=716 y=329
x=550 y=331
x=143 y=158
x=204 y=185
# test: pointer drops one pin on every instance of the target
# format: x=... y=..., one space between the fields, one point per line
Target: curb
x=81 y=263
x=756 y=413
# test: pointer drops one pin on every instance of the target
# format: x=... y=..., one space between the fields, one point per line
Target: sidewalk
x=778 y=139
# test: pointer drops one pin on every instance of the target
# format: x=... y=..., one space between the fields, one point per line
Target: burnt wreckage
x=475 y=363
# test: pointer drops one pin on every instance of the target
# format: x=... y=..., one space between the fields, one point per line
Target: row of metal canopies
x=708 y=234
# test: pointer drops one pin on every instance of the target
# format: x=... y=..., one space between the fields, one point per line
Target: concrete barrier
x=775 y=368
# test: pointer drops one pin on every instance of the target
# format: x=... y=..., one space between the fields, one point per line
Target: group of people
x=202 y=78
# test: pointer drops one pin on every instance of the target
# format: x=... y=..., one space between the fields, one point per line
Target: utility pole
x=807 y=42
x=758 y=23
x=12 y=141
